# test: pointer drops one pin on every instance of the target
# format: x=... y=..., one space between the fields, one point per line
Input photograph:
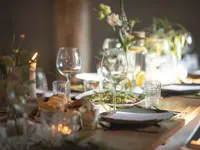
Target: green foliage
x=121 y=26
x=18 y=58
x=174 y=33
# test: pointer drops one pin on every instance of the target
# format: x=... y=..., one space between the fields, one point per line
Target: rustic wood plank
x=131 y=139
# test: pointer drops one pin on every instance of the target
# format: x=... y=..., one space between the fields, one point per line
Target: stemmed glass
x=114 y=67
x=68 y=61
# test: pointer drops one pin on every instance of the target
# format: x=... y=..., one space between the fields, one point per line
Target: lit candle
x=32 y=76
x=66 y=130
x=53 y=130
x=60 y=126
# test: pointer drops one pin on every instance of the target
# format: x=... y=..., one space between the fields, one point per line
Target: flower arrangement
x=175 y=34
x=121 y=26
x=14 y=68
x=18 y=58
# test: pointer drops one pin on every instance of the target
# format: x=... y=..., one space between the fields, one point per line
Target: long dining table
x=149 y=138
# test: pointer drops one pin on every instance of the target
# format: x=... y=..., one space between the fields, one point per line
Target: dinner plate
x=180 y=88
x=195 y=73
x=136 y=115
x=89 y=77
x=48 y=94
x=91 y=92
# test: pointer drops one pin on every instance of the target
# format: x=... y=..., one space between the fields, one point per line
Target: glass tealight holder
x=58 y=126
x=152 y=91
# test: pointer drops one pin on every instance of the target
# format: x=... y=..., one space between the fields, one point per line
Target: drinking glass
x=114 y=68
x=60 y=87
x=41 y=83
x=68 y=61
x=152 y=91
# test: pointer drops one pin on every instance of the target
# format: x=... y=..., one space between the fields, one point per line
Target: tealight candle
x=32 y=76
x=60 y=126
x=53 y=130
x=66 y=130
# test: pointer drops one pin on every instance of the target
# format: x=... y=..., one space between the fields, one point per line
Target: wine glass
x=68 y=61
x=114 y=68
x=41 y=83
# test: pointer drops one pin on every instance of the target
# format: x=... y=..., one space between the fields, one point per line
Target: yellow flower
x=101 y=15
x=105 y=8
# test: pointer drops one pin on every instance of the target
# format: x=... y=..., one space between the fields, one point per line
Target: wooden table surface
x=150 y=137
x=129 y=140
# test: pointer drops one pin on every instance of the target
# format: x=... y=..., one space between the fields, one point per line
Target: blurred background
x=50 y=24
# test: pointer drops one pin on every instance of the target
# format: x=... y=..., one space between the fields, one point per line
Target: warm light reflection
x=53 y=130
x=66 y=130
x=60 y=127
x=191 y=116
x=196 y=142
x=34 y=56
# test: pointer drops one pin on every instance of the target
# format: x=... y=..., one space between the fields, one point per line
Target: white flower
x=114 y=20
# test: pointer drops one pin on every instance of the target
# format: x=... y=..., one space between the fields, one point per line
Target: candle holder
x=59 y=126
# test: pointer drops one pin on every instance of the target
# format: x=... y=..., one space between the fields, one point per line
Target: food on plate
x=55 y=103
x=106 y=97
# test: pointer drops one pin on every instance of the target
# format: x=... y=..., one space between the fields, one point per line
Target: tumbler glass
x=152 y=91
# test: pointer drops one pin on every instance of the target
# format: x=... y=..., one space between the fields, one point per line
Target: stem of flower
x=121 y=7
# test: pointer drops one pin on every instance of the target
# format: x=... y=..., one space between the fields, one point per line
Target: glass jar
x=136 y=55
x=161 y=62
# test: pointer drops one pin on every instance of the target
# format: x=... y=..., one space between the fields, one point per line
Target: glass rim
x=59 y=81
x=63 y=48
x=153 y=82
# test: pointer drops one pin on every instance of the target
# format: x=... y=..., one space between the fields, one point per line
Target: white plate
x=89 y=76
x=127 y=115
x=91 y=92
x=50 y=93
x=181 y=88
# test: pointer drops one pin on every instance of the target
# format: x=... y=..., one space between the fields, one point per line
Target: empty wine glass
x=114 y=67
x=41 y=83
x=68 y=61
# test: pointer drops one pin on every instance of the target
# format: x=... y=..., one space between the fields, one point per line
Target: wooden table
x=129 y=140
x=151 y=137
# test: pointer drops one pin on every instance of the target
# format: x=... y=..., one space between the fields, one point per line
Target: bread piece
x=55 y=103
x=49 y=107
x=61 y=98
x=79 y=103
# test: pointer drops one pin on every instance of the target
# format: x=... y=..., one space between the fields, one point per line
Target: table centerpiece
x=124 y=37
x=167 y=42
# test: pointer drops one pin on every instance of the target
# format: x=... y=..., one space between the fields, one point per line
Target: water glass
x=90 y=85
x=61 y=87
x=152 y=91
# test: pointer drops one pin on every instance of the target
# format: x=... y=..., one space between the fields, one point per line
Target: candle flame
x=66 y=130
x=53 y=130
x=60 y=129
x=34 y=56
x=60 y=126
